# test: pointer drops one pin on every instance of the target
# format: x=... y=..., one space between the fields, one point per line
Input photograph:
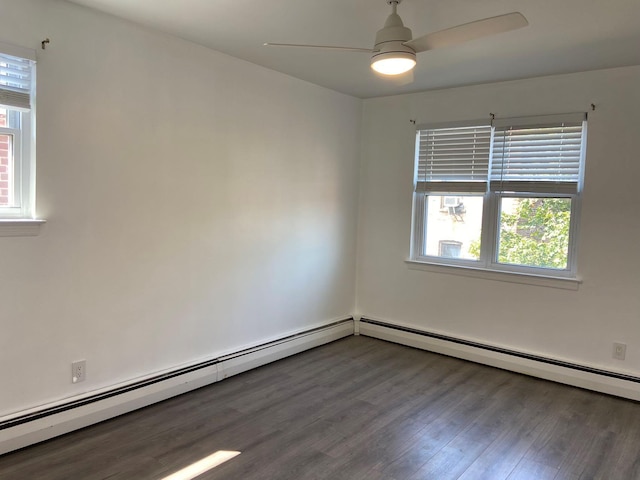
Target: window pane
x=5 y=169
x=535 y=232
x=454 y=225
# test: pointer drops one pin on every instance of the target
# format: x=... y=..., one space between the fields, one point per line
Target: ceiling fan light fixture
x=393 y=63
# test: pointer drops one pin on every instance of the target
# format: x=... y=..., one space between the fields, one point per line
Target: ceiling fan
x=395 y=49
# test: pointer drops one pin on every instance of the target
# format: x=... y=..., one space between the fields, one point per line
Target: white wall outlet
x=78 y=371
x=619 y=350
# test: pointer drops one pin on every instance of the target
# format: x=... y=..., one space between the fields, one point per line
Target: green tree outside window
x=535 y=233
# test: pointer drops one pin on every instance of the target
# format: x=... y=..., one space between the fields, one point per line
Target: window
x=501 y=197
x=16 y=133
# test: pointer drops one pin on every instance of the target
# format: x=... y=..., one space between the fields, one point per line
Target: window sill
x=20 y=227
x=509 y=277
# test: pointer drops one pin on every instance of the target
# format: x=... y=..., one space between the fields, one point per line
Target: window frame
x=22 y=165
x=491 y=215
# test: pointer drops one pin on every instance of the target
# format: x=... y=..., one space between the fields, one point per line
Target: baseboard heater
x=583 y=376
x=43 y=423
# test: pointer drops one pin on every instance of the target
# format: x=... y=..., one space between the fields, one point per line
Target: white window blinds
x=16 y=79
x=537 y=154
x=453 y=159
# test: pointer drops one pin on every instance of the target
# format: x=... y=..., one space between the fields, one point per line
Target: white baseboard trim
x=53 y=420
x=590 y=378
x=244 y=360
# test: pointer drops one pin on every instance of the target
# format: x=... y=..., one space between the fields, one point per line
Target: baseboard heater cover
x=583 y=376
x=48 y=422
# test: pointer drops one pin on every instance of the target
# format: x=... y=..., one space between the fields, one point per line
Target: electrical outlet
x=78 y=371
x=619 y=350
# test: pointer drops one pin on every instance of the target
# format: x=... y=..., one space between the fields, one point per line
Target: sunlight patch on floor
x=202 y=466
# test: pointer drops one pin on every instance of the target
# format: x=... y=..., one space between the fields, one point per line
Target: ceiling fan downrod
x=394 y=5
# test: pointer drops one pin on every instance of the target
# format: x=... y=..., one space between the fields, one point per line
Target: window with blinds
x=537 y=155
x=17 y=82
x=453 y=159
x=505 y=194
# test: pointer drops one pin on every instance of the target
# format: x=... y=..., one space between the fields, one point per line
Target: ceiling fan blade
x=326 y=47
x=468 y=31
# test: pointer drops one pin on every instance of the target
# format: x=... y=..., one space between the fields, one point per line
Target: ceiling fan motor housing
x=390 y=40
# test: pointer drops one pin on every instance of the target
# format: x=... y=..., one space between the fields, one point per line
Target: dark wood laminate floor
x=357 y=409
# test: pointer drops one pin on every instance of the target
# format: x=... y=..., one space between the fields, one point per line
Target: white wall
x=195 y=204
x=578 y=326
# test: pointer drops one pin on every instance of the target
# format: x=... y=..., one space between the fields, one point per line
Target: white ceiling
x=563 y=36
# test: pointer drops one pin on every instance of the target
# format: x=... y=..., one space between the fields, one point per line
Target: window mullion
x=418 y=225
x=489 y=230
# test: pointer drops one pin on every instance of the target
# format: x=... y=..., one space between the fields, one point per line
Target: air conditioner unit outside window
x=452 y=201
